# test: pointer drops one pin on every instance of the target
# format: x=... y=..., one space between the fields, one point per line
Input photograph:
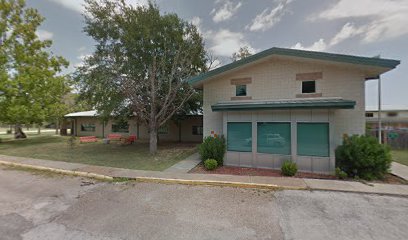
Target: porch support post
x=293 y=137
x=254 y=138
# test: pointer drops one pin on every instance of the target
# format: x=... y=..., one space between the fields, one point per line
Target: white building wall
x=276 y=79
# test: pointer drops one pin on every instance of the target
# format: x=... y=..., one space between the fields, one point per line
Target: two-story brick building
x=283 y=104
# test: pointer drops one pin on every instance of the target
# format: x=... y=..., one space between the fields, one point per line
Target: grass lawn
x=400 y=156
x=136 y=156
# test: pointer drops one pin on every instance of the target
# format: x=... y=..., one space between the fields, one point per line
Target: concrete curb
x=217 y=183
x=155 y=179
x=57 y=170
x=190 y=182
x=358 y=192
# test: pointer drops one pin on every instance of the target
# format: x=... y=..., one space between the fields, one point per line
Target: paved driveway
x=44 y=207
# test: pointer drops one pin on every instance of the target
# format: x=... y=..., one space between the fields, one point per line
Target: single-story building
x=394 y=125
x=189 y=129
x=392 y=117
x=285 y=104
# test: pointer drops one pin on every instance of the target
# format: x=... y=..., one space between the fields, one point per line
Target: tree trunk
x=153 y=139
x=179 y=128
x=56 y=127
x=39 y=130
x=18 y=132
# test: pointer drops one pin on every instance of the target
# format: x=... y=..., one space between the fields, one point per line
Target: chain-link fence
x=396 y=139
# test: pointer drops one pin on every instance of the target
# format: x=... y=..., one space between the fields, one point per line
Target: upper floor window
x=308 y=86
x=369 y=114
x=392 y=114
x=240 y=90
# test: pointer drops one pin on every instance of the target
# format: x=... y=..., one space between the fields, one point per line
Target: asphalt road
x=54 y=207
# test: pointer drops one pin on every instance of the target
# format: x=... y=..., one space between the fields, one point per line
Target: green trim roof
x=368 y=61
x=327 y=103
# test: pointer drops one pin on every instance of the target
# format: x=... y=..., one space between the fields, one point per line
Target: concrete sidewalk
x=211 y=179
x=185 y=165
x=399 y=170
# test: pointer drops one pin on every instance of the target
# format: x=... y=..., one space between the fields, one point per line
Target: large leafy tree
x=141 y=60
x=242 y=53
x=31 y=88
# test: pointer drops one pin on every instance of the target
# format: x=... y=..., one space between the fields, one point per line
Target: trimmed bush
x=289 y=168
x=363 y=157
x=340 y=173
x=210 y=164
x=213 y=148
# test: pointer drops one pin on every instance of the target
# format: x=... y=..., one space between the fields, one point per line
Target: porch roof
x=315 y=103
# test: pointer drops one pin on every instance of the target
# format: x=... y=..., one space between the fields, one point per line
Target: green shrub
x=363 y=157
x=213 y=148
x=340 y=173
x=210 y=164
x=289 y=168
x=8 y=131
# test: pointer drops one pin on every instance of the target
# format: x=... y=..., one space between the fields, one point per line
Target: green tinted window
x=88 y=127
x=239 y=137
x=313 y=139
x=273 y=138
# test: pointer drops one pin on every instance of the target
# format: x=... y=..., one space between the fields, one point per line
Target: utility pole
x=379 y=110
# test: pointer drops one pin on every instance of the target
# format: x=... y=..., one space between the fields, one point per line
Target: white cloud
x=44 y=34
x=347 y=31
x=269 y=17
x=196 y=21
x=316 y=46
x=225 y=42
x=78 y=5
x=226 y=11
x=81 y=59
x=385 y=19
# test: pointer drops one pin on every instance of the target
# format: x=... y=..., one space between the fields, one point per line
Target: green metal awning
x=327 y=103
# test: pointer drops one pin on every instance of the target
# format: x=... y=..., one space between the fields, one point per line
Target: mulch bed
x=244 y=171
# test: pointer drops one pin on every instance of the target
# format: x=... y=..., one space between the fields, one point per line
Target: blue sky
x=363 y=27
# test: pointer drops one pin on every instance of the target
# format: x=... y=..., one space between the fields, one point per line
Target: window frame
x=308 y=81
x=237 y=89
x=228 y=136
x=328 y=139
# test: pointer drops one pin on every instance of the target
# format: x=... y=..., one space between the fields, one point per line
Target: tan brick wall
x=276 y=79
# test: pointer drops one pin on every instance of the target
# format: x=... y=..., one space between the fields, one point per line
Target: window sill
x=309 y=95
x=241 y=98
